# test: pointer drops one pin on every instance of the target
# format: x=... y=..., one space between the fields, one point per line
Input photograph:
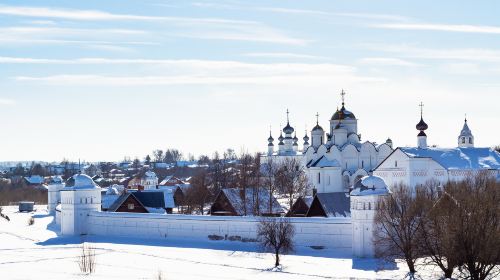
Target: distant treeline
x=13 y=193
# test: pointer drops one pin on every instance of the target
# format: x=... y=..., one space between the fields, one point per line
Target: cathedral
x=335 y=159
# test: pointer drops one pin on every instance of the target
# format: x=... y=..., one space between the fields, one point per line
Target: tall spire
x=287 y=116
x=317 y=118
x=421 y=126
x=421 y=105
x=342 y=93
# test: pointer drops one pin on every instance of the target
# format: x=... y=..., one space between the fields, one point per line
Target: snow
x=459 y=158
x=37 y=252
x=370 y=185
x=324 y=162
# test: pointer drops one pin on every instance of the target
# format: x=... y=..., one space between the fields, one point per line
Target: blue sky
x=100 y=80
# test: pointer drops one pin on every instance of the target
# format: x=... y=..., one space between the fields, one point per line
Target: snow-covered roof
x=235 y=197
x=108 y=200
x=334 y=204
x=458 y=158
x=370 y=185
x=324 y=162
x=34 y=179
x=80 y=182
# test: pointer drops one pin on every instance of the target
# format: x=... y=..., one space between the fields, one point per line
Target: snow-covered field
x=36 y=252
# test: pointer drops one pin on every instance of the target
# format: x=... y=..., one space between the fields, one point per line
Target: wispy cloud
x=388 y=61
x=441 y=27
x=206 y=72
x=283 y=55
x=301 y=11
x=186 y=27
x=411 y=51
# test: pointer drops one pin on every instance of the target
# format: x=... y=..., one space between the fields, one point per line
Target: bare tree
x=438 y=234
x=291 y=179
x=269 y=170
x=244 y=177
x=399 y=219
x=158 y=155
x=476 y=215
x=198 y=194
x=276 y=235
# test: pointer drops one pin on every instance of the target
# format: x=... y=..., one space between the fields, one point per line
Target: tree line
x=455 y=226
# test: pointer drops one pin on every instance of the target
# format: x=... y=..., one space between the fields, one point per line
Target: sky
x=100 y=80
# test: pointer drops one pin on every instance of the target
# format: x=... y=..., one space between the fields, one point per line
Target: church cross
x=421 y=105
x=343 y=96
x=317 y=118
x=287 y=119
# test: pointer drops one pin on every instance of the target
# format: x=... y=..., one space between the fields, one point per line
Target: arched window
x=362 y=164
x=470 y=140
x=396 y=163
x=319 y=178
x=463 y=140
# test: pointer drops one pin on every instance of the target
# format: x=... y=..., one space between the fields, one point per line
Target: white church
x=336 y=163
x=336 y=159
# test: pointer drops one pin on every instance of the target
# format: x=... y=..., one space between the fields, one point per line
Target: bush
x=86 y=260
x=215 y=237
x=31 y=221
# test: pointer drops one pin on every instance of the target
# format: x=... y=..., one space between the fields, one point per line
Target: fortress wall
x=327 y=232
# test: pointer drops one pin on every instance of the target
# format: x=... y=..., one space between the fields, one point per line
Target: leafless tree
x=398 y=220
x=438 y=234
x=476 y=214
x=158 y=155
x=291 y=179
x=198 y=194
x=269 y=172
x=244 y=177
x=276 y=235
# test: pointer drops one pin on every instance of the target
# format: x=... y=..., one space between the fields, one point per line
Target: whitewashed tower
x=466 y=139
x=421 y=126
x=80 y=197
x=364 y=202
x=55 y=186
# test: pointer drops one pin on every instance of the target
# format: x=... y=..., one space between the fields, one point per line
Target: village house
x=231 y=202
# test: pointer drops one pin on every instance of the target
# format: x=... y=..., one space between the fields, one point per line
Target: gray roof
x=334 y=204
x=235 y=198
x=324 y=162
x=149 y=199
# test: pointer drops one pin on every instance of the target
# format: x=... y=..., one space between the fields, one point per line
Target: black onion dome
x=306 y=138
x=270 y=139
x=421 y=125
x=281 y=138
x=317 y=127
x=288 y=129
x=295 y=138
x=422 y=133
x=343 y=114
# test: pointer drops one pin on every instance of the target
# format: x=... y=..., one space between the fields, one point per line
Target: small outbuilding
x=236 y=202
x=26 y=206
x=300 y=207
x=330 y=205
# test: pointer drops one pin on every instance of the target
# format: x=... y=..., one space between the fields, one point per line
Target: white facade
x=149 y=181
x=80 y=197
x=364 y=203
x=415 y=166
x=336 y=160
x=54 y=195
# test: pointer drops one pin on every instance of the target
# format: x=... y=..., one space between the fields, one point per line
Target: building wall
x=328 y=232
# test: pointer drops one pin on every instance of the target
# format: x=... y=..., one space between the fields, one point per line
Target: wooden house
x=300 y=207
x=235 y=202
x=330 y=205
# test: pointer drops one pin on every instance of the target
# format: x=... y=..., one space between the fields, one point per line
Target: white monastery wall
x=328 y=232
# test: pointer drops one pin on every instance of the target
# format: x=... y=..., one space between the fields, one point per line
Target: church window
x=463 y=140
x=131 y=206
x=319 y=178
x=91 y=200
x=396 y=163
x=86 y=201
x=470 y=140
x=362 y=164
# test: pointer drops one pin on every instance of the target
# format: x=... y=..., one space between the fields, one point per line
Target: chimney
x=315 y=192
